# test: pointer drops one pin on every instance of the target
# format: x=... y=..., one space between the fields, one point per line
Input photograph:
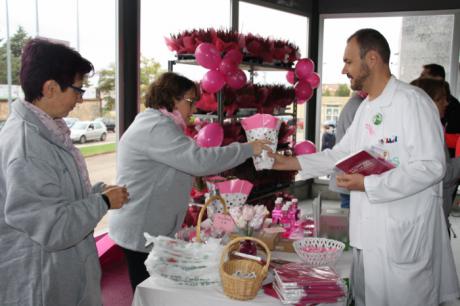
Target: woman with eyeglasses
x=48 y=208
x=157 y=162
x=438 y=90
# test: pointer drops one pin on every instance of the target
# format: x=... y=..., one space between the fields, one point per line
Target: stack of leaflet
x=298 y=284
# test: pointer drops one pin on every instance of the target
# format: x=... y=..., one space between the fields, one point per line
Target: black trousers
x=136 y=268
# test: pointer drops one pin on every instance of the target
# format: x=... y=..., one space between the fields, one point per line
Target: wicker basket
x=203 y=209
x=239 y=288
x=315 y=259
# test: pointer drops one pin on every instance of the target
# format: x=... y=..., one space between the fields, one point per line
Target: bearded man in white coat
x=401 y=250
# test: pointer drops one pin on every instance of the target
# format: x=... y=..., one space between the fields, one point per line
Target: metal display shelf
x=251 y=65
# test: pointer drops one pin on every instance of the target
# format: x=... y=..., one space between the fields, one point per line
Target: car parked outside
x=83 y=131
x=70 y=121
x=109 y=123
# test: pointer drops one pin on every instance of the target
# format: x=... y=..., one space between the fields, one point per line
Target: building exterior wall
x=425 y=40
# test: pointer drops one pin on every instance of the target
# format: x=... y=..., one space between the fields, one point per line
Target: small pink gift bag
x=262 y=127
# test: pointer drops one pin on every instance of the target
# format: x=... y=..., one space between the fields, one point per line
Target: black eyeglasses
x=77 y=90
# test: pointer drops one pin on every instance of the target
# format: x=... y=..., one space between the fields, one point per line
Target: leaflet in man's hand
x=365 y=162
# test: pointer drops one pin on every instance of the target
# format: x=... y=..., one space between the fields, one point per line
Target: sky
x=97 y=26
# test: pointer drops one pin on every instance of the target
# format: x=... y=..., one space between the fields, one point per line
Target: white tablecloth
x=153 y=292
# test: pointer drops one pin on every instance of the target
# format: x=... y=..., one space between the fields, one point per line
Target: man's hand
x=284 y=162
x=351 y=181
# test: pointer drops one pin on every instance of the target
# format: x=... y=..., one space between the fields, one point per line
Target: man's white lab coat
x=398 y=221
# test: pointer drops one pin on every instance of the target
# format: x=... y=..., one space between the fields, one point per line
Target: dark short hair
x=370 y=39
x=166 y=88
x=43 y=60
x=434 y=88
x=435 y=70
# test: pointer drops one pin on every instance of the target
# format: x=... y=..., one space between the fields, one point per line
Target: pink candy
x=313 y=249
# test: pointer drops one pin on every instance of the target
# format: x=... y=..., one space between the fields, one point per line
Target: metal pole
x=78 y=26
x=8 y=58
x=37 y=28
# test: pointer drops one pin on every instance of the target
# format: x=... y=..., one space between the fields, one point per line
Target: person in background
x=345 y=119
x=328 y=138
x=438 y=90
x=48 y=208
x=157 y=162
x=451 y=119
x=401 y=250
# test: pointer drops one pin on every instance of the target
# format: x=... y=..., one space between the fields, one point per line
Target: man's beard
x=358 y=81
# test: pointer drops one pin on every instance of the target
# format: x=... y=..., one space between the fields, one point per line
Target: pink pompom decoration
x=314 y=80
x=236 y=79
x=211 y=135
x=235 y=56
x=304 y=147
x=303 y=90
x=304 y=68
x=207 y=55
x=227 y=66
x=213 y=81
x=290 y=77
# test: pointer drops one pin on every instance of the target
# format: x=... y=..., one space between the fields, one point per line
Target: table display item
x=318 y=251
x=296 y=283
x=262 y=127
x=182 y=263
x=234 y=191
x=242 y=288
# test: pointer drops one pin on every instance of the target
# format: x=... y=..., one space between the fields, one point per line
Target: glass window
x=414 y=41
x=285 y=26
x=160 y=19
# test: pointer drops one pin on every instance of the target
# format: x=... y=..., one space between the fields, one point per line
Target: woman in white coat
x=402 y=255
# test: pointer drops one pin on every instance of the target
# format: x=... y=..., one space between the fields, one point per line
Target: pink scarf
x=176 y=117
x=59 y=129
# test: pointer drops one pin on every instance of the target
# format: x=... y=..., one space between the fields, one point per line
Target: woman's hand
x=118 y=196
x=259 y=145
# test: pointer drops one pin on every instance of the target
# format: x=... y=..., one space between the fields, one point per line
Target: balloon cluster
x=306 y=77
x=222 y=70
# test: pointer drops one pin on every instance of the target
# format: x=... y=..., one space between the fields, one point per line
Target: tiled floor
x=306 y=207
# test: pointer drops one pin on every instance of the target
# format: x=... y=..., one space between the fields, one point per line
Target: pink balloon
x=290 y=77
x=304 y=68
x=314 y=80
x=234 y=55
x=211 y=135
x=207 y=55
x=227 y=66
x=213 y=81
x=303 y=90
x=304 y=147
x=236 y=79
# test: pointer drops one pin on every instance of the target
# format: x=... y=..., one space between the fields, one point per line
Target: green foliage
x=17 y=42
x=343 y=91
x=98 y=149
x=149 y=70
x=106 y=86
x=327 y=93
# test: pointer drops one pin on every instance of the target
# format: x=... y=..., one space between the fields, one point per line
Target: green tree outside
x=149 y=70
x=343 y=91
x=17 y=42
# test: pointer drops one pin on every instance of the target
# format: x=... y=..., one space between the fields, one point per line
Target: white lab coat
x=398 y=221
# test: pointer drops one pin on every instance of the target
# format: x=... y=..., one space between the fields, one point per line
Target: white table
x=152 y=292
